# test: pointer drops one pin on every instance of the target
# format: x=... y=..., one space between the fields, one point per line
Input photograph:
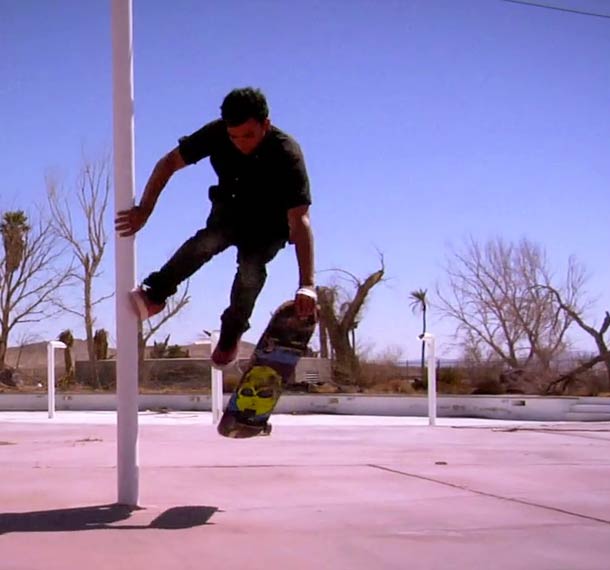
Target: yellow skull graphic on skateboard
x=259 y=391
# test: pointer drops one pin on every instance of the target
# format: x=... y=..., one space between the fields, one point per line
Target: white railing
x=51 y=346
x=429 y=340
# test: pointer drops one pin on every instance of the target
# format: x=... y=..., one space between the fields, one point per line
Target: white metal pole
x=51 y=346
x=431 y=343
x=124 y=196
x=432 y=382
x=51 y=379
x=217 y=400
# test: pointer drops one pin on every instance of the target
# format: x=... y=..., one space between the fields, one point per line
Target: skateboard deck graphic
x=272 y=365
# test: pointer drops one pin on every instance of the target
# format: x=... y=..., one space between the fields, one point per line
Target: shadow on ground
x=102 y=517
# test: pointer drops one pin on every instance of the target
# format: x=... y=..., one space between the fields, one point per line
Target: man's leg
x=248 y=283
x=193 y=253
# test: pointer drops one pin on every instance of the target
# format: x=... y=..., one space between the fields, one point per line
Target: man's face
x=247 y=136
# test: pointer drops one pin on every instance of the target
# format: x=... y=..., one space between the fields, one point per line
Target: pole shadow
x=102 y=517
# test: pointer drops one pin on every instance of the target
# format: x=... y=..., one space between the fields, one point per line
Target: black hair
x=243 y=104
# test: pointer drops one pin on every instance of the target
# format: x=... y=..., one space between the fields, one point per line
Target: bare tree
x=30 y=274
x=86 y=238
x=341 y=317
x=500 y=312
x=598 y=336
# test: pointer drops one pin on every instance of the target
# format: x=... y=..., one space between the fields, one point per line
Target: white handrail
x=430 y=341
x=51 y=346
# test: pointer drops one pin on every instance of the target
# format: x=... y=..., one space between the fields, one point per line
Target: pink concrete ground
x=320 y=493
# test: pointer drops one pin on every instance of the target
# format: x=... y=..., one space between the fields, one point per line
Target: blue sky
x=422 y=122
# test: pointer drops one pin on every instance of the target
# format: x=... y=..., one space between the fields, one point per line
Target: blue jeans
x=251 y=275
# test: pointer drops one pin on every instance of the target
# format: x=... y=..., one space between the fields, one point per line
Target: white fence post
x=430 y=341
x=217 y=399
x=51 y=346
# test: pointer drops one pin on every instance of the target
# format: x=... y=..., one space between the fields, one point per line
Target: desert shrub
x=452 y=380
x=490 y=386
x=384 y=377
x=176 y=351
x=451 y=375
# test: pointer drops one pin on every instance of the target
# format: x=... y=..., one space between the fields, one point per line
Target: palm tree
x=419 y=304
x=14 y=228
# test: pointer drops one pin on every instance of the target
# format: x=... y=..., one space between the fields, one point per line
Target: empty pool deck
x=322 y=492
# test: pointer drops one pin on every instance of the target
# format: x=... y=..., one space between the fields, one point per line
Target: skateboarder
x=261 y=202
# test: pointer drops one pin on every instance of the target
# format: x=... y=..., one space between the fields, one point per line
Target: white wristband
x=308 y=292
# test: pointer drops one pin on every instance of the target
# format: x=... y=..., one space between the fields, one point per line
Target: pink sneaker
x=143 y=306
x=222 y=359
x=225 y=353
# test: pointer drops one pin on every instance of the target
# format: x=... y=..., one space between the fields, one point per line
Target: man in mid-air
x=260 y=203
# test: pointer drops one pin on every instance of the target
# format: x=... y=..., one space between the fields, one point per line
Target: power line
x=558 y=8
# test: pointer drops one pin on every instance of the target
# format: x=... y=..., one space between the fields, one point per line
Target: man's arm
x=162 y=172
x=128 y=222
x=302 y=238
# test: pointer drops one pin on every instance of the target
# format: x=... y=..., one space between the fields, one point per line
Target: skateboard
x=271 y=366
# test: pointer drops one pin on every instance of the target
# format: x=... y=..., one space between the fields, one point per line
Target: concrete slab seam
x=490 y=495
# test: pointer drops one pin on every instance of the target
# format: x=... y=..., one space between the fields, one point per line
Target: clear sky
x=422 y=122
